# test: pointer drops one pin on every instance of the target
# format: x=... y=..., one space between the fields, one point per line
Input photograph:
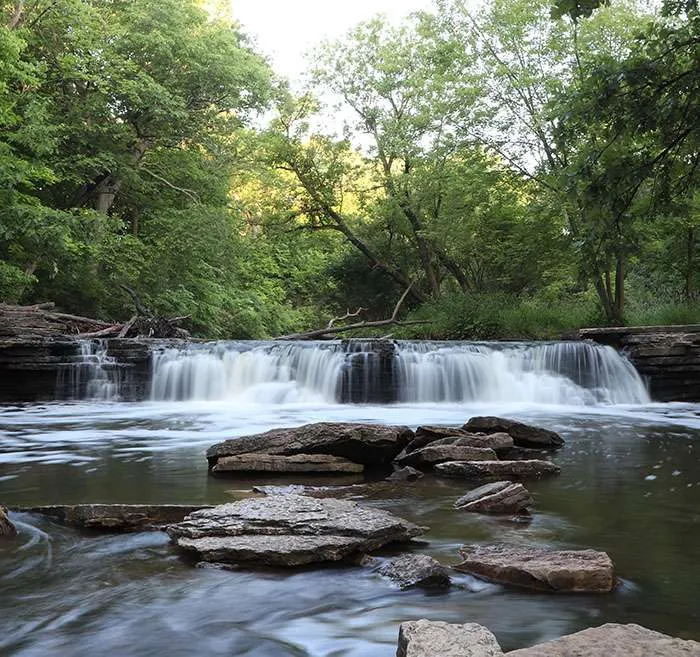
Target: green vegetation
x=525 y=170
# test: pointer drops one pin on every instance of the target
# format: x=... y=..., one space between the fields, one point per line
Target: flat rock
x=424 y=638
x=613 y=640
x=529 y=469
x=274 y=463
x=368 y=444
x=540 y=569
x=496 y=497
x=523 y=435
x=427 y=457
x=116 y=517
x=416 y=570
x=7 y=527
x=288 y=530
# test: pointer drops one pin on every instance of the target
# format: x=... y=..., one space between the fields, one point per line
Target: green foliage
x=502 y=317
x=507 y=166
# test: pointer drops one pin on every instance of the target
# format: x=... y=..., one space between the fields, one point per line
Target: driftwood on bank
x=42 y=321
x=332 y=328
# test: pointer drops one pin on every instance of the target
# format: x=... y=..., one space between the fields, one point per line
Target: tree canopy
x=530 y=154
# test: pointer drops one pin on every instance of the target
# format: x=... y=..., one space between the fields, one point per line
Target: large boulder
x=429 y=456
x=613 y=640
x=116 y=517
x=532 y=468
x=523 y=435
x=424 y=638
x=368 y=444
x=273 y=463
x=497 y=497
x=7 y=528
x=540 y=569
x=416 y=570
x=288 y=530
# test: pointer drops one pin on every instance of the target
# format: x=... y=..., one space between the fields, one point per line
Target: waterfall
x=92 y=374
x=571 y=373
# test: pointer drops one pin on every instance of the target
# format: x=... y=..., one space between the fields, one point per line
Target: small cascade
x=93 y=374
x=569 y=373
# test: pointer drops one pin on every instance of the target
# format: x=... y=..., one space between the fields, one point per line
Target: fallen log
x=331 y=329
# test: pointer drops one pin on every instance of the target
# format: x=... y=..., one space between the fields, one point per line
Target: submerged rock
x=531 y=468
x=7 y=527
x=404 y=475
x=424 y=638
x=368 y=444
x=541 y=569
x=273 y=463
x=496 y=497
x=523 y=435
x=117 y=517
x=613 y=640
x=426 y=457
x=421 y=570
x=288 y=530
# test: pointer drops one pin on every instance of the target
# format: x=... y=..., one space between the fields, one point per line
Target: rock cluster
x=335 y=448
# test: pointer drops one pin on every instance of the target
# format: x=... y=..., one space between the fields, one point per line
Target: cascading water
x=92 y=375
x=256 y=372
x=571 y=373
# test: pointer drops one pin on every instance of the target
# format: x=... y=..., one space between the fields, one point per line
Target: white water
x=93 y=375
x=563 y=373
x=262 y=372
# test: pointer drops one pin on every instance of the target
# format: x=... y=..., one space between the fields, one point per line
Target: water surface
x=630 y=485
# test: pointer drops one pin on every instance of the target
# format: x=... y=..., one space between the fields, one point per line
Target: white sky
x=286 y=29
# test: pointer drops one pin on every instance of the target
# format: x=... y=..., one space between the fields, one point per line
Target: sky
x=285 y=29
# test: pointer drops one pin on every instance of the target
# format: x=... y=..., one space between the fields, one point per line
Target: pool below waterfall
x=630 y=485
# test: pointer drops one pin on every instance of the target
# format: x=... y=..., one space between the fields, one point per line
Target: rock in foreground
x=540 y=569
x=523 y=435
x=424 y=638
x=368 y=444
x=529 y=469
x=7 y=528
x=497 y=497
x=613 y=640
x=288 y=530
x=421 y=570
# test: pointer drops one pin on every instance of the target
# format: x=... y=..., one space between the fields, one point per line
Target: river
x=630 y=485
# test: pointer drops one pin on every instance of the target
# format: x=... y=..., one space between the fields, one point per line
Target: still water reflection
x=630 y=485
